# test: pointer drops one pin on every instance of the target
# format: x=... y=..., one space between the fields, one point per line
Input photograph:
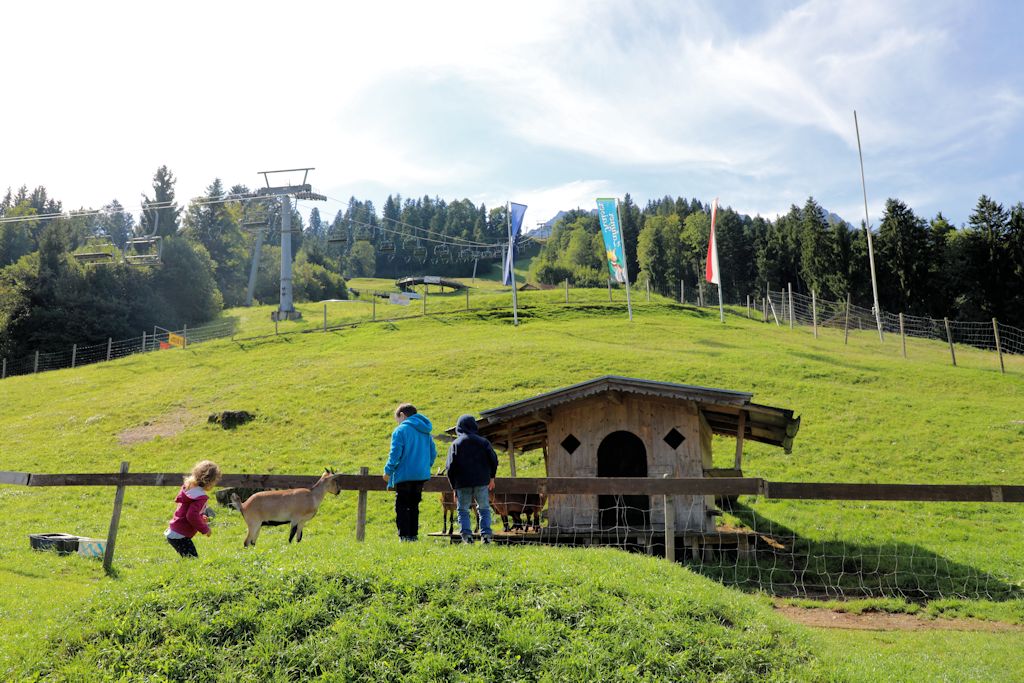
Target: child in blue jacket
x=408 y=468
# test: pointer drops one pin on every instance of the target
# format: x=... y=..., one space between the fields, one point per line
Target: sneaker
x=467 y=539
x=407 y=539
x=487 y=539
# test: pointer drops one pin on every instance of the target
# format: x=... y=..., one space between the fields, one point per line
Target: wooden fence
x=712 y=486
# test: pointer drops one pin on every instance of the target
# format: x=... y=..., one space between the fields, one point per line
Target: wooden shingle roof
x=525 y=421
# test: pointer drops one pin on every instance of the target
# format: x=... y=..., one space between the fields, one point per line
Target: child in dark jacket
x=472 y=465
x=189 y=517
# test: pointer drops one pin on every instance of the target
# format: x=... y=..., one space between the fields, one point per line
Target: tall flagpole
x=625 y=260
x=509 y=260
x=867 y=228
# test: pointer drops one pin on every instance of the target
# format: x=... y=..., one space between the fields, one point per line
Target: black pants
x=407 y=507
x=184 y=546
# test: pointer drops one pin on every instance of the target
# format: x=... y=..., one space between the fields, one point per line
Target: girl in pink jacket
x=189 y=517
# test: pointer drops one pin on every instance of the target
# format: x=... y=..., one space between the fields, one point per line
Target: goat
x=294 y=506
x=516 y=504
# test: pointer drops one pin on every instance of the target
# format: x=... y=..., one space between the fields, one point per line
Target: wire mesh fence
x=790 y=309
x=816 y=549
x=773 y=306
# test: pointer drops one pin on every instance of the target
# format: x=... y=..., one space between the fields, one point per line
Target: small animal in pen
x=293 y=506
x=517 y=506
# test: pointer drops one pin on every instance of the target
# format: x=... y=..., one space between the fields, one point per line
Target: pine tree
x=164 y=205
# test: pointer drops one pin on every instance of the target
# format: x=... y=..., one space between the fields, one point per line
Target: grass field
x=325 y=399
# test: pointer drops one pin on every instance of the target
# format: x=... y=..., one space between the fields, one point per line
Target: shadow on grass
x=785 y=564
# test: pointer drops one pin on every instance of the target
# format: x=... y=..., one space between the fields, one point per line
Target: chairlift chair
x=147 y=251
x=386 y=247
x=96 y=251
x=420 y=252
x=441 y=250
x=340 y=238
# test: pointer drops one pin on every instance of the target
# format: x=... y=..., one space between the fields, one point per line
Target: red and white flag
x=711 y=270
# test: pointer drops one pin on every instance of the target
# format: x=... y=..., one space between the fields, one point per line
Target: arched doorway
x=622 y=454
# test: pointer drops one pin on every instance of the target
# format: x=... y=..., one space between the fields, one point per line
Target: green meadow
x=335 y=609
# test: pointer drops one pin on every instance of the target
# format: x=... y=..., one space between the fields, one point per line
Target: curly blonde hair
x=205 y=474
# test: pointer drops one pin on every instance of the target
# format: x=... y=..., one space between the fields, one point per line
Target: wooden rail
x=716 y=486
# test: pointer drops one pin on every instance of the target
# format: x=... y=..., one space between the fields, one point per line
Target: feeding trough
x=64 y=544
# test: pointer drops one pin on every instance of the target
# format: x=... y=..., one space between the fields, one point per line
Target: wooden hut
x=623 y=427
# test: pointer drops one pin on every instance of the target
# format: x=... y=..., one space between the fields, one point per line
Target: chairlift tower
x=286 y=307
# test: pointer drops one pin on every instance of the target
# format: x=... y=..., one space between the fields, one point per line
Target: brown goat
x=294 y=506
x=517 y=504
x=450 y=510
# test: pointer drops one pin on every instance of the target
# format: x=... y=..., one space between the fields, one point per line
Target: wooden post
x=814 y=312
x=682 y=292
x=325 y=317
x=566 y=290
x=609 y=289
x=648 y=290
x=373 y=304
x=741 y=429
x=949 y=338
x=998 y=347
x=361 y=510
x=903 y=336
x=764 y=309
x=74 y=354
x=748 y=307
x=35 y=367
x=115 y=520
x=110 y=341
x=3 y=373
x=511 y=454
x=144 y=339
x=426 y=288
x=846 y=325
x=184 y=337
x=670 y=529
x=790 y=305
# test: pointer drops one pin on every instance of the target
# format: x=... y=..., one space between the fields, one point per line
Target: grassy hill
x=326 y=398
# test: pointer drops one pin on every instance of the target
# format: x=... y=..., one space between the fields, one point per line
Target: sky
x=550 y=104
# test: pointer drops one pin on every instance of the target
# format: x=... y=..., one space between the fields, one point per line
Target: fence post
x=143 y=341
x=110 y=341
x=325 y=317
x=648 y=290
x=814 y=312
x=682 y=292
x=903 y=336
x=184 y=337
x=3 y=373
x=846 y=325
x=35 y=367
x=115 y=520
x=566 y=290
x=74 y=354
x=949 y=337
x=511 y=453
x=361 y=509
x=426 y=289
x=609 y=289
x=373 y=302
x=275 y=325
x=998 y=347
x=764 y=309
x=790 y=305
x=670 y=529
x=748 y=307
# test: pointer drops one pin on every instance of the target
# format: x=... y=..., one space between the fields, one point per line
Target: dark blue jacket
x=471 y=460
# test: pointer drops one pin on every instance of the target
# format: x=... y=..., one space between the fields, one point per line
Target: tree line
x=924 y=267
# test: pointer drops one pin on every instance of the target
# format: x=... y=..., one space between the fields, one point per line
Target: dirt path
x=881 y=621
x=166 y=426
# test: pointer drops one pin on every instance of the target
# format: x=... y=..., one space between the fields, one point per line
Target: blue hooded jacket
x=471 y=459
x=412 y=451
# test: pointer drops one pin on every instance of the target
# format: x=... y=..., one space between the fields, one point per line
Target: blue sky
x=546 y=103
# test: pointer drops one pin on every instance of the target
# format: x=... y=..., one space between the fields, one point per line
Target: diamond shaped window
x=570 y=444
x=674 y=438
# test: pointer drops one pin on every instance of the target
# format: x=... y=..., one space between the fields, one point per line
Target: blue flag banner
x=608 y=213
x=515 y=225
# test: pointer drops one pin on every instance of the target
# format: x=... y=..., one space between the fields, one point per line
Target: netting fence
x=775 y=306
